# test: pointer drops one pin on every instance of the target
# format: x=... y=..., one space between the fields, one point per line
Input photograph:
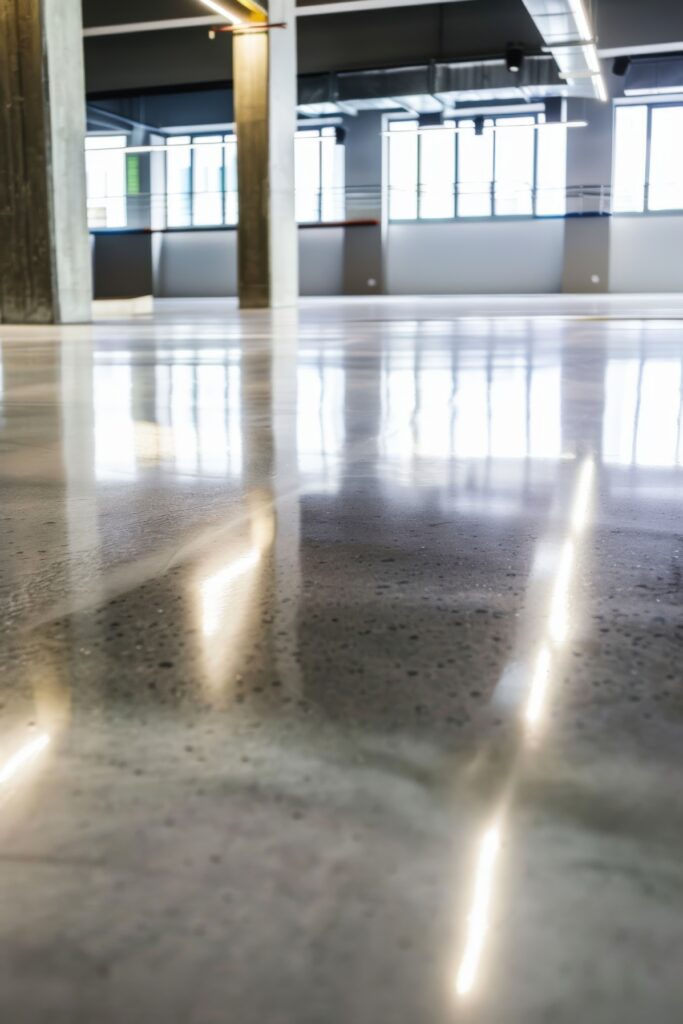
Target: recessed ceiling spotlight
x=514 y=57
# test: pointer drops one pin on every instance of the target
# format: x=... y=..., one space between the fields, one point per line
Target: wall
x=646 y=254
x=447 y=257
x=204 y=263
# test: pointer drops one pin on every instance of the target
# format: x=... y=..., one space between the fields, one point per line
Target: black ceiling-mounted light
x=434 y=119
x=514 y=57
x=479 y=125
x=339 y=135
x=620 y=66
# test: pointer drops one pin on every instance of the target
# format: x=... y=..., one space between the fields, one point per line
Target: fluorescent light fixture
x=660 y=90
x=581 y=19
x=223 y=12
x=601 y=89
x=543 y=125
x=591 y=55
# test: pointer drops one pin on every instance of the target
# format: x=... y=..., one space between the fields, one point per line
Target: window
x=201 y=181
x=648 y=158
x=505 y=166
x=105 y=170
x=201 y=178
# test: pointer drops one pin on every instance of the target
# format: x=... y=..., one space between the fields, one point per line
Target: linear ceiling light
x=455 y=129
x=254 y=12
x=581 y=19
x=223 y=12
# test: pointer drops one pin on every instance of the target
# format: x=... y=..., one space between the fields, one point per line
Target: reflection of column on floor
x=44 y=253
x=287 y=543
x=264 y=73
x=79 y=457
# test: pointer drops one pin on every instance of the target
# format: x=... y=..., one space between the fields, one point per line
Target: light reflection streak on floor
x=549 y=644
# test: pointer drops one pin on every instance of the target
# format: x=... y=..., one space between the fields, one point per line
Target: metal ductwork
x=656 y=75
x=568 y=34
x=430 y=87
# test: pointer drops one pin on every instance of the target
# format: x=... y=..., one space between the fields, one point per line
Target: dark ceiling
x=358 y=39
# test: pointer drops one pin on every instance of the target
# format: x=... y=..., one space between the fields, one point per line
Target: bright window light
x=630 y=156
x=514 y=170
x=207 y=181
x=475 y=170
x=403 y=170
x=666 y=159
x=307 y=175
x=551 y=172
x=105 y=169
x=178 y=182
x=437 y=173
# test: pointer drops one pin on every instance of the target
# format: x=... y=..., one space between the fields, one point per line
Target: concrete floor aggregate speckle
x=341 y=664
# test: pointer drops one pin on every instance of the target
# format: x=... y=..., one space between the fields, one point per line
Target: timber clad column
x=45 y=274
x=264 y=74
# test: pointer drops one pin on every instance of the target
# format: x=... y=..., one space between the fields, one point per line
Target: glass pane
x=475 y=170
x=630 y=151
x=666 y=159
x=105 y=170
x=551 y=171
x=332 y=177
x=178 y=190
x=514 y=166
x=207 y=181
x=437 y=172
x=231 y=205
x=307 y=176
x=403 y=170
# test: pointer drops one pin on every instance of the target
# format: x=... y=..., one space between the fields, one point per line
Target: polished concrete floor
x=341 y=665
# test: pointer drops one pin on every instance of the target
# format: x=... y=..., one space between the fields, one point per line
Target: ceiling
x=456 y=30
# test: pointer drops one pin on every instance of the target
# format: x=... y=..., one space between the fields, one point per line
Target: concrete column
x=363 y=245
x=44 y=246
x=265 y=90
x=587 y=229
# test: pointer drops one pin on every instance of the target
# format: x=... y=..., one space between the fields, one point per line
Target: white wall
x=646 y=254
x=457 y=257
x=204 y=263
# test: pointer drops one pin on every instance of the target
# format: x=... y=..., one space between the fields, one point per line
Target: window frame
x=494 y=116
x=650 y=106
x=321 y=200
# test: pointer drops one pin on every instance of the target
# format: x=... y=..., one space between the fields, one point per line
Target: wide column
x=589 y=169
x=364 y=242
x=265 y=89
x=45 y=272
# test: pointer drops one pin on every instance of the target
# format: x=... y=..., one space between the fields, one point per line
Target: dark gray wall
x=122 y=265
x=204 y=263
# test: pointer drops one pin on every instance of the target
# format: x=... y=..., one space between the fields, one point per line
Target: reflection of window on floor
x=199 y=406
x=114 y=426
x=320 y=421
x=441 y=409
x=648 y=158
x=194 y=426
x=507 y=166
x=643 y=422
x=105 y=168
